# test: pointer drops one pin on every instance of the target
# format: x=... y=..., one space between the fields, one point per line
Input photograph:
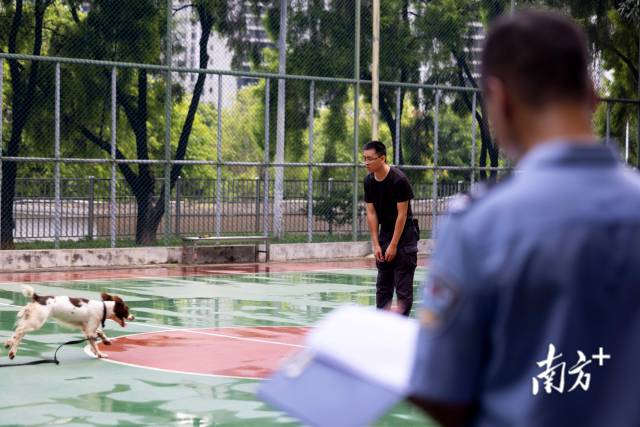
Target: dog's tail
x=28 y=291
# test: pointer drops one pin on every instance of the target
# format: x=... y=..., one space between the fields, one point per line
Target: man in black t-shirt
x=394 y=232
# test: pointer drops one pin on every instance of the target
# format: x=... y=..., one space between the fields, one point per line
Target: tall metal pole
x=375 y=78
x=434 y=188
x=396 y=148
x=312 y=101
x=626 y=143
x=473 y=137
x=278 y=196
x=1 y=123
x=267 y=158
x=218 y=220
x=167 y=130
x=112 y=190
x=57 y=215
x=608 y=124
x=356 y=125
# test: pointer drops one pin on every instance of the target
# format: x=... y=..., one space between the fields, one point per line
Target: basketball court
x=202 y=341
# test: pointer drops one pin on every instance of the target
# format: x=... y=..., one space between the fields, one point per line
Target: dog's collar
x=104 y=313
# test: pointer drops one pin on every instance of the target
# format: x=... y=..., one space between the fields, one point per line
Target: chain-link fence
x=146 y=121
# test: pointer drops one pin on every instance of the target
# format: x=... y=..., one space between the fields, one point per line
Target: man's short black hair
x=541 y=56
x=381 y=150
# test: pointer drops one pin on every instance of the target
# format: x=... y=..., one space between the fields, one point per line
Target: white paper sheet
x=377 y=345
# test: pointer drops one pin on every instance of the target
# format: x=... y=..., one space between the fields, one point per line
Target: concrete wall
x=301 y=251
x=138 y=257
x=69 y=258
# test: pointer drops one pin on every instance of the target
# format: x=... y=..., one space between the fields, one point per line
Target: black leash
x=39 y=362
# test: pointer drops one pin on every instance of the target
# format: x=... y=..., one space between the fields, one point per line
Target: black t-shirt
x=385 y=195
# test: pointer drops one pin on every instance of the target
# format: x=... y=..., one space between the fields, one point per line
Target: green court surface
x=193 y=356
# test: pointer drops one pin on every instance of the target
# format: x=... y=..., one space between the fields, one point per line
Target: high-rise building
x=186 y=39
x=257 y=38
x=186 y=53
x=473 y=49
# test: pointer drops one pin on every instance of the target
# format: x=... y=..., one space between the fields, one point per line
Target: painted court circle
x=239 y=352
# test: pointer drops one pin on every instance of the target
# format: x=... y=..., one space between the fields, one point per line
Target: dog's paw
x=106 y=342
x=103 y=356
x=8 y=344
x=12 y=355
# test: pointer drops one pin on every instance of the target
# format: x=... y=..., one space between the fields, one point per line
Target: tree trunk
x=145 y=227
x=21 y=102
x=9 y=172
x=391 y=121
x=150 y=214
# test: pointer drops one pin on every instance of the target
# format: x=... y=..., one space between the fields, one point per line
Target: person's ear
x=497 y=98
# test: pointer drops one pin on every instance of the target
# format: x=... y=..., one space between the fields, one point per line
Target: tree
x=131 y=31
x=23 y=96
x=414 y=34
x=613 y=31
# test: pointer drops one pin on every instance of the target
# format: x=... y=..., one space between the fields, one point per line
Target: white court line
x=165 y=328
x=87 y=350
x=10 y=305
x=213 y=334
x=110 y=279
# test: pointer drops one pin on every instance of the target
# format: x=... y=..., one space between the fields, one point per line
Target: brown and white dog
x=81 y=313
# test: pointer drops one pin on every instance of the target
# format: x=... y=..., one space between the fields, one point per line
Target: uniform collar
x=563 y=153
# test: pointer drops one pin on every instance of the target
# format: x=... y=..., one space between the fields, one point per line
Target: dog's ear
x=117 y=299
x=106 y=297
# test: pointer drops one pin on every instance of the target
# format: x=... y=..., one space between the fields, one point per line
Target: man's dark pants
x=398 y=273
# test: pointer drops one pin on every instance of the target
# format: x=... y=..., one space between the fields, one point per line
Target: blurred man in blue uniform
x=531 y=312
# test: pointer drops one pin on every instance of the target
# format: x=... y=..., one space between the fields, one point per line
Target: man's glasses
x=368 y=160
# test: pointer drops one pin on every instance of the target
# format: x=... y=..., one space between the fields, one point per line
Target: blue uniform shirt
x=531 y=287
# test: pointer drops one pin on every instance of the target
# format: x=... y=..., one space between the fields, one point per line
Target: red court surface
x=239 y=352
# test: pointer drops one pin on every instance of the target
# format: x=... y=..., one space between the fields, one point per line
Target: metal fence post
x=257 y=224
x=608 y=125
x=218 y=221
x=312 y=101
x=57 y=215
x=434 y=189
x=1 y=127
x=92 y=183
x=396 y=149
x=278 y=190
x=168 y=107
x=473 y=137
x=112 y=189
x=267 y=158
x=178 y=211
x=329 y=189
x=637 y=124
x=356 y=125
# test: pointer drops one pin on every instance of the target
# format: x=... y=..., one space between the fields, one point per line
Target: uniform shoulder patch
x=438 y=301
x=459 y=203
x=462 y=202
